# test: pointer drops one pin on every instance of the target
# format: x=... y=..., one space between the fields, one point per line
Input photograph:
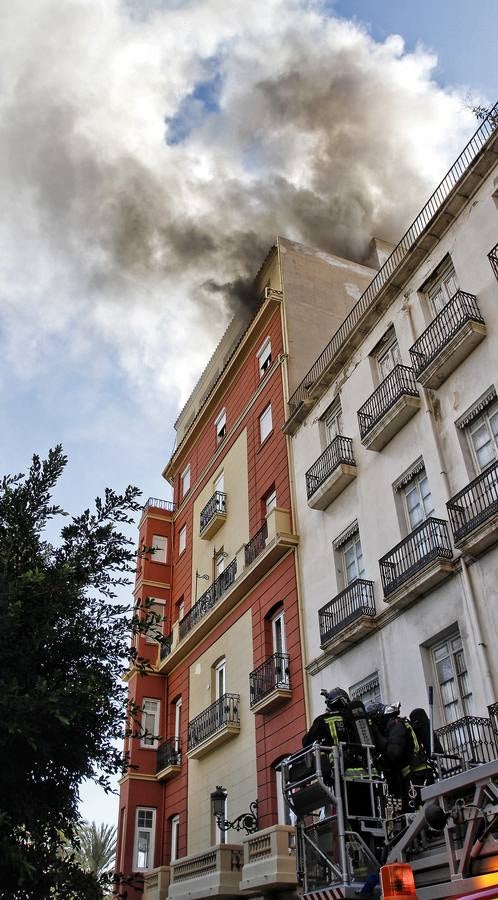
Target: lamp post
x=246 y=821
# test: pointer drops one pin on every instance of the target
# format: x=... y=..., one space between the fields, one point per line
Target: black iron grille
x=208 y=599
x=169 y=754
x=460 y=309
x=355 y=601
x=471 y=738
x=269 y=676
x=399 y=382
x=340 y=450
x=428 y=541
x=224 y=711
x=217 y=504
x=493 y=258
x=256 y=545
x=475 y=503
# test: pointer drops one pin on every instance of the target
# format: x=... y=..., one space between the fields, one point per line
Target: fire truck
x=353 y=839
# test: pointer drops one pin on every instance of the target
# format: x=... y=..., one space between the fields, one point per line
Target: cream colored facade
x=398 y=645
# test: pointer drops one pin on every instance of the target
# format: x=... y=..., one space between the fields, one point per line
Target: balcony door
x=443 y=289
x=388 y=358
x=453 y=681
x=219 y=488
x=279 y=649
x=219 y=679
x=178 y=724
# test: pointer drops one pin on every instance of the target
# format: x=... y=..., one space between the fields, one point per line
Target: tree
x=64 y=640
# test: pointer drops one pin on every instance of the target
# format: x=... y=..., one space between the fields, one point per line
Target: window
x=144 y=838
x=264 y=357
x=182 y=540
x=219 y=562
x=221 y=836
x=417 y=499
x=219 y=679
x=442 y=286
x=367 y=690
x=482 y=434
x=333 y=421
x=388 y=355
x=175 y=834
x=185 y=480
x=352 y=556
x=278 y=632
x=160 y=546
x=150 y=723
x=180 y=609
x=270 y=501
x=452 y=678
x=221 y=426
x=285 y=816
x=178 y=718
x=265 y=424
x=155 y=613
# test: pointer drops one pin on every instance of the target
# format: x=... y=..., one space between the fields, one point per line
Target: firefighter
x=402 y=757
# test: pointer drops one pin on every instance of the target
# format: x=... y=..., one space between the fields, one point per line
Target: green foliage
x=64 y=640
x=96 y=848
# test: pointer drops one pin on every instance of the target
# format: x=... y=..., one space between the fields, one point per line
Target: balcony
x=417 y=563
x=331 y=473
x=448 y=340
x=269 y=861
x=156 y=883
x=208 y=599
x=214 y=873
x=389 y=408
x=215 y=725
x=213 y=515
x=473 y=512
x=165 y=646
x=471 y=738
x=269 y=684
x=169 y=759
x=253 y=560
x=348 y=617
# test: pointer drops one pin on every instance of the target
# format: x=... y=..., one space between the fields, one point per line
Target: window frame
x=178 y=718
x=415 y=482
x=264 y=357
x=175 y=837
x=370 y=685
x=219 y=669
x=285 y=816
x=263 y=418
x=182 y=539
x=484 y=418
x=148 y=743
x=462 y=702
x=185 y=476
x=278 y=629
x=270 y=501
x=152 y=832
x=333 y=417
x=156 y=602
x=220 y=426
x=352 y=543
x=438 y=284
x=154 y=556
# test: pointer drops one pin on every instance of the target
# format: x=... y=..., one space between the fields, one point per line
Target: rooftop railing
x=271 y=675
x=169 y=753
x=256 y=545
x=340 y=450
x=476 y=503
x=353 y=602
x=168 y=505
x=208 y=599
x=460 y=309
x=224 y=711
x=428 y=541
x=418 y=226
x=399 y=382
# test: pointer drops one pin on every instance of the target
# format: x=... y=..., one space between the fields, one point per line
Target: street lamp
x=247 y=821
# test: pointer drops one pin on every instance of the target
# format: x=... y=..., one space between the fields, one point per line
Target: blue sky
x=136 y=131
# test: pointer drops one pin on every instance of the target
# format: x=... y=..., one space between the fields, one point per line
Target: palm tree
x=97 y=847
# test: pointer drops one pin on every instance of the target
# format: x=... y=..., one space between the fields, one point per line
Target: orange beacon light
x=397 y=881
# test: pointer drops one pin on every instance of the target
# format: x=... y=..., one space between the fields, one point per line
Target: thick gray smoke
x=150 y=155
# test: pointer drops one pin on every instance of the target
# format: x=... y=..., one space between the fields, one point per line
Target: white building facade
x=395 y=454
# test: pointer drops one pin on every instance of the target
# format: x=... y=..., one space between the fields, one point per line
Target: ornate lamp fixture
x=246 y=821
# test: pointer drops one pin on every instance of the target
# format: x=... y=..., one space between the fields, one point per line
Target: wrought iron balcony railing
x=165 y=646
x=460 y=309
x=224 y=711
x=471 y=738
x=340 y=450
x=493 y=258
x=169 y=754
x=475 y=503
x=208 y=599
x=256 y=545
x=274 y=673
x=399 y=382
x=217 y=504
x=428 y=541
x=159 y=504
x=353 y=602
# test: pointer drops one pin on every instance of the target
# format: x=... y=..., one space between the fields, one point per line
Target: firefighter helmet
x=336 y=697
